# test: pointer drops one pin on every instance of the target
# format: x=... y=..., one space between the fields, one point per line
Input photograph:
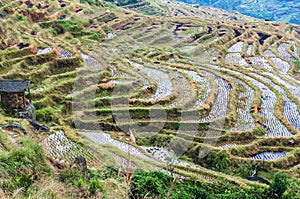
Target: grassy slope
x=77 y=33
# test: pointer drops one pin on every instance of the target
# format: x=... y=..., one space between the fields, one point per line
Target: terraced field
x=196 y=88
x=59 y=147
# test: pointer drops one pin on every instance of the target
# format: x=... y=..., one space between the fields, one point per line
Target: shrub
x=97 y=36
x=152 y=184
x=244 y=170
x=24 y=181
x=159 y=185
x=46 y=115
x=221 y=161
x=94 y=186
x=21 y=166
x=7 y=110
x=279 y=185
x=215 y=160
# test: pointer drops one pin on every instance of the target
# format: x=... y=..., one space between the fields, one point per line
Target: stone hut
x=12 y=93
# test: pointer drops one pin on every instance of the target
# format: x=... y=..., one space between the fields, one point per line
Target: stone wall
x=14 y=100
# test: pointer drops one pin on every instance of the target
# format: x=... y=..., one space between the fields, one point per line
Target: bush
x=45 y=114
x=22 y=166
x=152 y=184
x=24 y=181
x=244 y=170
x=159 y=185
x=97 y=36
x=218 y=161
x=279 y=185
x=221 y=161
x=68 y=25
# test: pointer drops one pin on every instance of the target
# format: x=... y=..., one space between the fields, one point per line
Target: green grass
x=297 y=63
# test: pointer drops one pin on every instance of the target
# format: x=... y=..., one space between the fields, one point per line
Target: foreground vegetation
x=30 y=179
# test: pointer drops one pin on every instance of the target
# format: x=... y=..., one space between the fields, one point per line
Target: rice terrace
x=147 y=99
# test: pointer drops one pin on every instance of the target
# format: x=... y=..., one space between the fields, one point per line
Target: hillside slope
x=275 y=10
x=199 y=93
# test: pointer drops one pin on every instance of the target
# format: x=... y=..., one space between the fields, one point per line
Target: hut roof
x=13 y=86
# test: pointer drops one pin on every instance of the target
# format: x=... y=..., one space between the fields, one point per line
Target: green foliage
x=188 y=191
x=239 y=193
x=71 y=176
x=11 y=54
x=46 y=115
x=109 y=29
x=76 y=28
x=258 y=131
x=152 y=184
x=5 y=144
x=97 y=36
x=19 y=17
x=218 y=161
x=21 y=166
x=159 y=185
x=68 y=25
x=279 y=185
x=80 y=182
x=94 y=186
x=62 y=26
x=90 y=2
x=24 y=181
x=221 y=161
x=244 y=170
x=107 y=172
x=88 y=182
x=124 y=2
x=7 y=110
x=297 y=64
x=293 y=189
